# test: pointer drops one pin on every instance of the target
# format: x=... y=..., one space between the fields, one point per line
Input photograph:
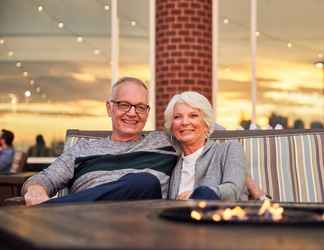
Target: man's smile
x=130 y=122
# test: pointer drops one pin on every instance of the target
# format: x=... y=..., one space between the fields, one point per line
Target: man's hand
x=184 y=195
x=35 y=194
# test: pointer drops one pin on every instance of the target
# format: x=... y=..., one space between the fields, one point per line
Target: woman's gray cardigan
x=221 y=167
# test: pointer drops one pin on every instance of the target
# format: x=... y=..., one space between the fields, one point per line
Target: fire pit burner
x=266 y=214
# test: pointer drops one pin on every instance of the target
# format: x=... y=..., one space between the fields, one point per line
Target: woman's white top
x=188 y=171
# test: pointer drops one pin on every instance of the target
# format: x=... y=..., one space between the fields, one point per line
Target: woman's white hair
x=193 y=99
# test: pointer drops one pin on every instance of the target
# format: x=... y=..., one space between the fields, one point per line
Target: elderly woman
x=205 y=170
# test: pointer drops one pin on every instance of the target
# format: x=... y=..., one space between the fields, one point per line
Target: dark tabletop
x=136 y=225
x=18 y=178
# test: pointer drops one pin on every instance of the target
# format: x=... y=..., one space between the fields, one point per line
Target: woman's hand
x=184 y=195
x=35 y=194
x=255 y=192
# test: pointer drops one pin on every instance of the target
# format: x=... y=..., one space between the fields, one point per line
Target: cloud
x=83 y=108
x=84 y=77
x=60 y=81
x=48 y=113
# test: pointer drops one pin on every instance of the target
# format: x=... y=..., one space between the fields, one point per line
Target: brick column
x=183 y=50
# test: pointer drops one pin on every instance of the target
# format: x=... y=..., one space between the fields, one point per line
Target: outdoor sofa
x=288 y=165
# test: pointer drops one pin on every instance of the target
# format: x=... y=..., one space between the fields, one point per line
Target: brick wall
x=183 y=50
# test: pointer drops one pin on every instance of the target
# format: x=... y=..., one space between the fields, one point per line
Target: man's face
x=127 y=125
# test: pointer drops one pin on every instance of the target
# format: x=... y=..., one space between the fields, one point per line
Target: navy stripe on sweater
x=158 y=161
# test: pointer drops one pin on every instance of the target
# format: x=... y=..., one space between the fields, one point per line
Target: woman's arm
x=233 y=172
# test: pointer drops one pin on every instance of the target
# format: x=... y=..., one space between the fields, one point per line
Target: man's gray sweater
x=60 y=173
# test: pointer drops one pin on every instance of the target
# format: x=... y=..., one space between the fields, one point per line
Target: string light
x=274 y=38
x=319 y=65
x=79 y=39
x=257 y=33
x=133 y=23
x=18 y=63
x=13 y=98
x=60 y=25
x=28 y=93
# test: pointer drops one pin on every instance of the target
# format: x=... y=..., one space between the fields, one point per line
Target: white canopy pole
x=114 y=42
x=152 y=64
x=253 y=59
x=215 y=55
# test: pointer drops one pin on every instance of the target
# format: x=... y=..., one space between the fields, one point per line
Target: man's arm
x=40 y=187
x=35 y=194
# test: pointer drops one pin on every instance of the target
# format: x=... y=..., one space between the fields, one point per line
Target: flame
x=196 y=215
x=275 y=210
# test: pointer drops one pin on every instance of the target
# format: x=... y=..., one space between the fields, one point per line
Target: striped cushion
x=288 y=167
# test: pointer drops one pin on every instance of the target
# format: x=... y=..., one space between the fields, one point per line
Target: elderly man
x=125 y=166
x=7 y=151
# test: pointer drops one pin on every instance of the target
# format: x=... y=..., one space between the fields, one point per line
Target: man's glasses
x=126 y=107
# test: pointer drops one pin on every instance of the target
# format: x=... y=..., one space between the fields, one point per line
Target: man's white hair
x=193 y=99
x=124 y=80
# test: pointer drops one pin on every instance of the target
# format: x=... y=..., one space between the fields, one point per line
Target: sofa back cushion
x=288 y=166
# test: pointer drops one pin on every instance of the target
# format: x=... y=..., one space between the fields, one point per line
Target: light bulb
x=27 y=93
x=60 y=25
x=79 y=39
x=40 y=8
x=133 y=23
x=319 y=65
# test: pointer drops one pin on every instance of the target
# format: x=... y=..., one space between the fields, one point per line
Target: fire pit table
x=142 y=225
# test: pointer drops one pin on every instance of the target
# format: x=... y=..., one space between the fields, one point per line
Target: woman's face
x=188 y=125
